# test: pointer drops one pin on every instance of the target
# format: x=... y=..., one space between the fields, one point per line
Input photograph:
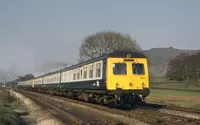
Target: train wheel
x=119 y=102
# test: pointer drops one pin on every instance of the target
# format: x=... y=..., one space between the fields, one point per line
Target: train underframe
x=116 y=98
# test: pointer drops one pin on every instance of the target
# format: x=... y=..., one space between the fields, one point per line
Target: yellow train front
x=127 y=77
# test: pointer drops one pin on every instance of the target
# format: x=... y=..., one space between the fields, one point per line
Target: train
x=116 y=79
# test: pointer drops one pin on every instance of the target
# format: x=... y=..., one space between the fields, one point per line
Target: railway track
x=136 y=116
x=68 y=113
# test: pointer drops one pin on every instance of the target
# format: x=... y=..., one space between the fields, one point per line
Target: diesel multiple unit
x=116 y=79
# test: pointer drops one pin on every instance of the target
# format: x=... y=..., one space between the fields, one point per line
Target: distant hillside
x=159 y=58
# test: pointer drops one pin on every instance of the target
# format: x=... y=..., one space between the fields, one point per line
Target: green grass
x=164 y=83
x=177 y=98
x=182 y=98
x=173 y=92
x=159 y=79
x=176 y=85
x=8 y=116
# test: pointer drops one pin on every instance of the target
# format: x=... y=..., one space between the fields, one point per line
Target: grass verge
x=7 y=105
x=176 y=98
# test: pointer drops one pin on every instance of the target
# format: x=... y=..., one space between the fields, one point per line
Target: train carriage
x=26 y=84
x=84 y=76
x=118 y=78
x=21 y=84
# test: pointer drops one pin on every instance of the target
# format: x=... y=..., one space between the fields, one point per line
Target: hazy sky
x=36 y=35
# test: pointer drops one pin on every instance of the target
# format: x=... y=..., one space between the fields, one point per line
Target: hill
x=159 y=58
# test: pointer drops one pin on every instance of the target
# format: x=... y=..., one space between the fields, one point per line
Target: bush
x=8 y=116
x=7 y=105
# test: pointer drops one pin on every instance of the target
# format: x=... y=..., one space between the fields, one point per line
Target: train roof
x=123 y=54
x=115 y=54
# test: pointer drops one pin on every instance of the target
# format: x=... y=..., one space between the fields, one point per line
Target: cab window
x=138 y=68
x=119 y=68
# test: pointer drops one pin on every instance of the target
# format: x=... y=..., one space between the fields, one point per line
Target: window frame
x=78 y=74
x=91 y=71
x=138 y=64
x=85 y=68
x=98 y=66
x=74 y=75
x=119 y=73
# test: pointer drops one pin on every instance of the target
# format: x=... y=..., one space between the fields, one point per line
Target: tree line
x=18 y=79
x=184 y=67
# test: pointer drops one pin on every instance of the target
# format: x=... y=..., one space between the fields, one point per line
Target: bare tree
x=104 y=42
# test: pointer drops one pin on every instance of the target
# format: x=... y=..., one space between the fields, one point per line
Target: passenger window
x=66 y=76
x=81 y=73
x=91 y=72
x=78 y=74
x=74 y=76
x=85 y=73
x=119 y=68
x=98 y=69
x=138 y=68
